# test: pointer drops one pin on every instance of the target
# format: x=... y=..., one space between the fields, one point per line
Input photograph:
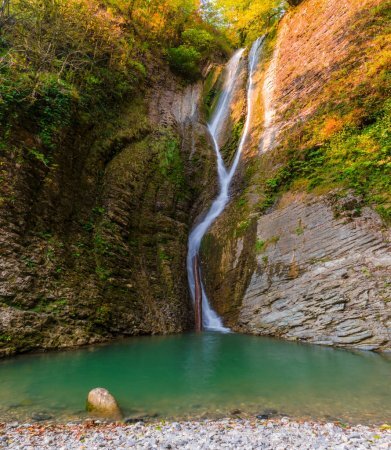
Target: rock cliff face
x=302 y=266
x=94 y=246
x=314 y=42
x=321 y=275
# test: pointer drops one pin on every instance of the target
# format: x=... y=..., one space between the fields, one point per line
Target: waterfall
x=210 y=320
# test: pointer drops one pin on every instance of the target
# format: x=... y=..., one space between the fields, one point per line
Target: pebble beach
x=276 y=434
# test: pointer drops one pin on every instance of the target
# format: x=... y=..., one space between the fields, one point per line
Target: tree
x=200 y=39
x=247 y=19
x=185 y=61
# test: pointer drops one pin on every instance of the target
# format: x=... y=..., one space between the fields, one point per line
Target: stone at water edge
x=41 y=416
x=102 y=403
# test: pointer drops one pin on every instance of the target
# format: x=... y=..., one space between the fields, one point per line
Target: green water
x=201 y=375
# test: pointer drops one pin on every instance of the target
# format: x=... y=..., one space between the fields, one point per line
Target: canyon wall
x=94 y=246
x=297 y=256
x=93 y=243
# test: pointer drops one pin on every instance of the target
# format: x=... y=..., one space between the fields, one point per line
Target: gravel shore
x=281 y=434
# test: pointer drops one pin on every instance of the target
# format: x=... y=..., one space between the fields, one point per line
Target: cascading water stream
x=210 y=320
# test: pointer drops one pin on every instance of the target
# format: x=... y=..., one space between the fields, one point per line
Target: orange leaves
x=247 y=18
x=334 y=124
x=331 y=126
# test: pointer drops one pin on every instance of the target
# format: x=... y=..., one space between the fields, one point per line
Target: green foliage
x=384 y=212
x=210 y=100
x=102 y=315
x=39 y=156
x=30 y=264
x=4 y=338
x=163 y=255
x=245 y=21
x=54 y=109
x=98 y=210
x=212 y=90
x=101 y=245
x=259 y=245
x=229 y=149
x=197 y=45
x=102 y=273
x=299 y=230
x=199 y=39
x=45 y=305
x=47 y=115
x=185 y=61
x=242 y=227
x=170 y=161
x=242 y=202
x=357 y=158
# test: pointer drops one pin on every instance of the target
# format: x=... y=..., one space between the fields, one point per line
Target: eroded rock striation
x=93 y=246
x=293 y=261
x=321 y=276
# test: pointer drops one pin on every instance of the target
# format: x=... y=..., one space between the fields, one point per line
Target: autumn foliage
x=67 y=60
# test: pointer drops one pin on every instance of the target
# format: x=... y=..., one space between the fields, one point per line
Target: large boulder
x=101 y=402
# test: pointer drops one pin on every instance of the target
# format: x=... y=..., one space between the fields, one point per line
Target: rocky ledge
x=219 y=434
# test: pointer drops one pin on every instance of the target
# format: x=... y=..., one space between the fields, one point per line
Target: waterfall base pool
x=204 y=375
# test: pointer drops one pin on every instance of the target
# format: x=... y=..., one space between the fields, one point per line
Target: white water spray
x=210 y=320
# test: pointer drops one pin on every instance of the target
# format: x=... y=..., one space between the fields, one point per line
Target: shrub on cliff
x=197 y=46
x=79 y=59
x=185 y=61
x=245 y=21
x=200 y=39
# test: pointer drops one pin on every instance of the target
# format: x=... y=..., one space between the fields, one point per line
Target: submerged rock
x=41 y=416
x=267 y=414
x=262 y=416
x=137 y=419
x=101 y=402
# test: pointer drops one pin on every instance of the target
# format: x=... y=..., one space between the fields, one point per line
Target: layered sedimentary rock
x=305 y=266
x=321 y=275
x=93 y=245
x=314 y=41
